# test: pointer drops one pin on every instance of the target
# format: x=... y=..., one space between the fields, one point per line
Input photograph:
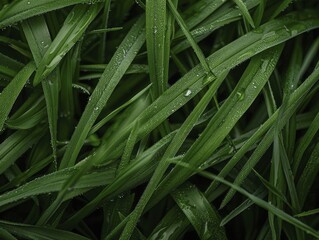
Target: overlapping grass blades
x=159 y=119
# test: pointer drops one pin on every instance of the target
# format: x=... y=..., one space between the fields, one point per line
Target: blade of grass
x=72 y=30
x=10 y=94
x=20 y=10
x=199 y=212
x=38 y=37
x=241 y=5
x=34 y=232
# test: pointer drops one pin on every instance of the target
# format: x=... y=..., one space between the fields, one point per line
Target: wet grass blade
x=10 y=94
x=20 y=10
x=199 y=212
x=38 y=37
x=72 y=30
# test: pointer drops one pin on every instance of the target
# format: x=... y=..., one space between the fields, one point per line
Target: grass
x=194 y=119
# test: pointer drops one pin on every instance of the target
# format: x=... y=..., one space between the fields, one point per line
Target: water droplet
x=241 y=95
x=96 y=108
x=29 y=2
x=188 y=93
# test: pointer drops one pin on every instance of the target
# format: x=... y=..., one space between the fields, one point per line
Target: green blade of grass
x=20 y=10
x=281 y=214
x=54 y=183
x=9 y=95
x=241 y=5
x=5 y=235
x=156 y=18
x=190 y=38
x=38 y=37
x=308 y=175
x=72 y=30
x=22 y=142
x=199 y=212
x=35 y=232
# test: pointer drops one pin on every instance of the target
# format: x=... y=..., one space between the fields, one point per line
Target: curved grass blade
x=309 y=174
x=72 y=30
x=282 y=6
x=38 y=37
x=221 y=17
x=32 y=116
x=305 y=141
x=14 y=147
x=9 y=67
x=54 y=183
x=260 y=193
x=241 y=5
x=199 y=11
x=20 y=10
x=10 y=94
x=111 y=115
x=190 y=38
x=199 y=212
x=308 y=213
x=26 y=231
x=172 y=226
x=5 y=235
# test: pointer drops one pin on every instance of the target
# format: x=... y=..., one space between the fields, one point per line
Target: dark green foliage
x=159 y=119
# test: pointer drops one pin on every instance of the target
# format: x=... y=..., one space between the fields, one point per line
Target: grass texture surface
x=159 y=119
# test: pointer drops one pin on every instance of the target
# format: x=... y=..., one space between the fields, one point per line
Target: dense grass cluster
x=159 y=119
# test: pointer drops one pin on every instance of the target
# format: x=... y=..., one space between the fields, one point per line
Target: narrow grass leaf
x=20 y=10
x=10 y=94
x=199 y=212
x=35 y=232
x=72 y=30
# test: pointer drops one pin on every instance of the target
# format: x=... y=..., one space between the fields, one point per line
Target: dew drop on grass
x=188 y=93
x=29 y=2
x=240 y=95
